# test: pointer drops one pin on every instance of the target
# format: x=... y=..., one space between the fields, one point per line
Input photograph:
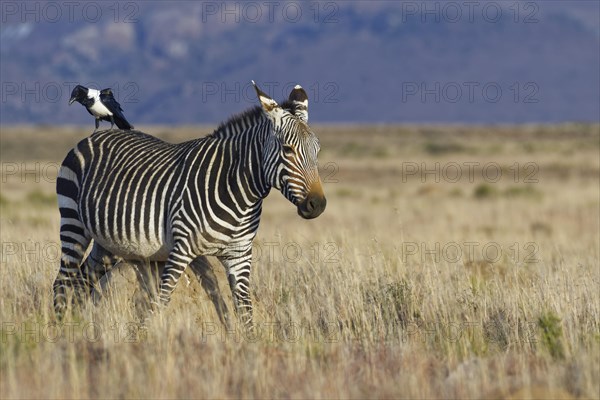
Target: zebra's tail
x=73 y=237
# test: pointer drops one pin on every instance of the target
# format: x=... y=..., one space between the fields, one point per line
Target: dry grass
x=397 y=290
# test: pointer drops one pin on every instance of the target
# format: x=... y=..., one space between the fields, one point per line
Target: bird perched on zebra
x=141 y=199
x=102 y=105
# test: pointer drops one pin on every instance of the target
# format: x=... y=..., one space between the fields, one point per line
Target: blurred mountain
x=192 y=62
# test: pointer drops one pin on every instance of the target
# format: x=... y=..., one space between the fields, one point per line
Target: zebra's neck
x=242 y=142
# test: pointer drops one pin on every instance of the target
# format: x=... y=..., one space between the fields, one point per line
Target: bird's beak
x=72 y=100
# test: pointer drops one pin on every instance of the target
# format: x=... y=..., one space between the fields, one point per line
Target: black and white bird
x=102 y=105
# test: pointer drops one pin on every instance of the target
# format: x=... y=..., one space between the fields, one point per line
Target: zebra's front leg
x=238 y=274
x=205 y=274
x=178 y=260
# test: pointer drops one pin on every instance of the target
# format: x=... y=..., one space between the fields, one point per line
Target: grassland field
x=451 y=262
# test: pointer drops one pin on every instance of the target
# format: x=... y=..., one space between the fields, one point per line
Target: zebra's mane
x=251 y=116
x=288 y=106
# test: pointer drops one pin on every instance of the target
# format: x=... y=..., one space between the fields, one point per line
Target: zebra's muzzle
x=312 y=206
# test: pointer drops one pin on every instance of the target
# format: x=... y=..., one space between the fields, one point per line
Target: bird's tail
x=122 y=123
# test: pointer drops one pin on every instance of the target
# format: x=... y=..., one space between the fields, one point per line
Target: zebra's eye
x=288 y=150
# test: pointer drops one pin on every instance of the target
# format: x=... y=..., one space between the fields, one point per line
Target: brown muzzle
x=314 y=203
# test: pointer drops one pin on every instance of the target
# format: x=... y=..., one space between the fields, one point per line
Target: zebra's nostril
x=312 y=207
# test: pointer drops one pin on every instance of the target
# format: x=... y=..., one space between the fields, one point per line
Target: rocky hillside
x=493 y=62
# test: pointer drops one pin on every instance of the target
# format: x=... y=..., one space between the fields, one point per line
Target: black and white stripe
x=140 y=198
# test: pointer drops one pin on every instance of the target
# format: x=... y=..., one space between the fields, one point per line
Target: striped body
x=142 y=199
x=138 y=195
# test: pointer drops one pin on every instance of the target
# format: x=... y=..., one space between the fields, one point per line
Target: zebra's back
x=124 y=186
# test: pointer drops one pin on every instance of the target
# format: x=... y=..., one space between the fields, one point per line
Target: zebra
x=139 y=198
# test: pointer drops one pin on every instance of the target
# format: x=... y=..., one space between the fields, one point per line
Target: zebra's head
x=291 y=150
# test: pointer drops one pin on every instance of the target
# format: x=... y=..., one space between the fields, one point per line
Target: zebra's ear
x=300 y=100
x=268 y=104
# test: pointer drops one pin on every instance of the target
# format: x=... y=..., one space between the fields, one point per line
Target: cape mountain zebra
x=140 y=198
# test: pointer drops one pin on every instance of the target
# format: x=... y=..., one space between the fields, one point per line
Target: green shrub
x=551 y=331
x=436 y=148
x=485 y=191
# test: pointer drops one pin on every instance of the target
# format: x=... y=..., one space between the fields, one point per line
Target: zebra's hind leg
x=238 y=274
x=96 y=265
x=205 y=274
x=74 y=238
x=70 y=278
